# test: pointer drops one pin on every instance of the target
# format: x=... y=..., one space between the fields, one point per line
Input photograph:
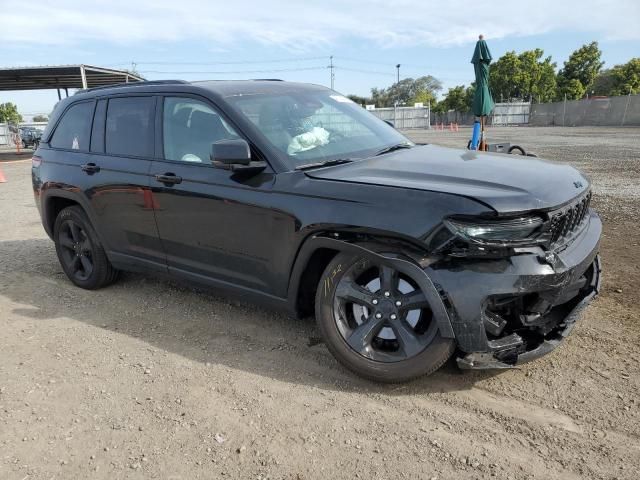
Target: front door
x=213 y=224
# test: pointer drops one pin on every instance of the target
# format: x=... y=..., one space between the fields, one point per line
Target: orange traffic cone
x=3 y=179
x=149 y=199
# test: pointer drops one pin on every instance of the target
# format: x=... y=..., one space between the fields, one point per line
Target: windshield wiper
x=392 y=148
x=326 y=163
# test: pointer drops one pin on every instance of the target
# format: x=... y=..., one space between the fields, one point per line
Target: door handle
x=90 y=168
x=168 y=178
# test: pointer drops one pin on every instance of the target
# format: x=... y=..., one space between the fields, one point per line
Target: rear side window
x=73 y=130
x=130 y=125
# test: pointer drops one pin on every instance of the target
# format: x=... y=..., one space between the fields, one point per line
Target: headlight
x=495 y=231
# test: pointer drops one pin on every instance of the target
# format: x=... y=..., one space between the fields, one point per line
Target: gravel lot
x=152 y=379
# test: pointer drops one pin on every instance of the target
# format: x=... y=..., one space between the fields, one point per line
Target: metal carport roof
x=62 y=77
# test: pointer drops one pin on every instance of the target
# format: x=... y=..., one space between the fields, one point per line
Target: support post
x=59 y=96
x=624 y=116
x=564 y=108
x=395 y=114
x=83 y=76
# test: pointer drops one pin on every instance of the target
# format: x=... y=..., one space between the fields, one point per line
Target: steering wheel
x=336 y=134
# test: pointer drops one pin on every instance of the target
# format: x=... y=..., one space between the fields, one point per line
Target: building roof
x=62 y=76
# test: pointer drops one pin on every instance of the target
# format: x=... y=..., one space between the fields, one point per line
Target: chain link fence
x=506 y=113
x=405 y=117
x=607 y=111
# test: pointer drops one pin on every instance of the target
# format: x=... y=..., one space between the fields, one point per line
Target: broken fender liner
x=487 y=360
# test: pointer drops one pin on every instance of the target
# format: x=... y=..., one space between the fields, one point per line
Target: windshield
x=317 y=126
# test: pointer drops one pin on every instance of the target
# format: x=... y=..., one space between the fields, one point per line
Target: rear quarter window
x=73 y=130
x=130 y=126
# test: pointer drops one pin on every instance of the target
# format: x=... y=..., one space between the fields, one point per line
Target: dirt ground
x=152 y=379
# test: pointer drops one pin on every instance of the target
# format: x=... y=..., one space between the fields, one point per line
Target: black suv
x=293 y=195
x=30 y=137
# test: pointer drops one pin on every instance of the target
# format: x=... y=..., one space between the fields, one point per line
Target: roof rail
x=267 y=80
x=134 y=84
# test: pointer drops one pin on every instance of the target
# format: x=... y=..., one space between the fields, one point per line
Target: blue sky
x=198 y=39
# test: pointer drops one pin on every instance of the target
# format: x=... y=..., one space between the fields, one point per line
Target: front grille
x=568 y=220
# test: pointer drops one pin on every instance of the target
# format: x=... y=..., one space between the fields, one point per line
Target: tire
x=516 y=150
x=383 y=359
x=80 y=252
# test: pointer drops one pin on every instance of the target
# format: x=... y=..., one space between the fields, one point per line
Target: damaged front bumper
x=508 y=311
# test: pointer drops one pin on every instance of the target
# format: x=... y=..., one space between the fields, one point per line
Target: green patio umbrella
x=482 y=101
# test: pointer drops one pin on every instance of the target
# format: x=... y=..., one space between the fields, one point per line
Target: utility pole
x=398 y=70
x=333 y=75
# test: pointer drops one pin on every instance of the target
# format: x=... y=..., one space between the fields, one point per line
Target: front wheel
x=378 y=322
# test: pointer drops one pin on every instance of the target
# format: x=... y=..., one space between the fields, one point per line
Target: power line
x=238 y=62
x=229 y=72
x=377 y=62
x=372 y=72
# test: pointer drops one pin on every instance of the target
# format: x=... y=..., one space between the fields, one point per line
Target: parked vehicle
x=293 y=195
x=30 y=137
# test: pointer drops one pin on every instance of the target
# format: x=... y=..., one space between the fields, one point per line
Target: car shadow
x=195 y=323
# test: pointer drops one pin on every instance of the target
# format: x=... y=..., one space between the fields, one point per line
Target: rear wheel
x=80 y=252
x=378 y=322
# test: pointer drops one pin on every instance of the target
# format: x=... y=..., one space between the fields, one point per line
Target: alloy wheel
x=383 y=314
x=76 y=251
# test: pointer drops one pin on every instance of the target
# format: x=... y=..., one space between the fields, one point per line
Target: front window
x=190 y=127
x=316 y=126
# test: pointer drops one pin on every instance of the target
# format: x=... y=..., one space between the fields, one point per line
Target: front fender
x=438 y=307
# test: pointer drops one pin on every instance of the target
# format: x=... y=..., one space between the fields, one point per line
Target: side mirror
x=230 y=152
x=235 y=155
x=390 y=123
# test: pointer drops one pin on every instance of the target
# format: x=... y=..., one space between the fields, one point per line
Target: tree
x=468 y=95
x=503 y=77
x=571 y=89
x=9 y=113
x=524 y=76
x=538 y=76
x=626 y=78
x=40 y=118
x=455 y=99
x=583 y=65
x=359 y=100
x=407 y=91
x=604 y=83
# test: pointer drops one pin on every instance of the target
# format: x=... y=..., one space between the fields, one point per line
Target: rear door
x=214 y=224
x=122 y=150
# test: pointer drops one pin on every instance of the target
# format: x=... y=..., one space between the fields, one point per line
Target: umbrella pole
x=482 y=146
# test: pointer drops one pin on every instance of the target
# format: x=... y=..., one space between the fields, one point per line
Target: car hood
x=506 y=183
